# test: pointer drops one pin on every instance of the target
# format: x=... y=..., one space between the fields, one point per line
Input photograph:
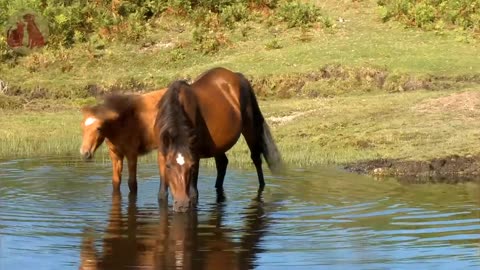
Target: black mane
x=174 y=128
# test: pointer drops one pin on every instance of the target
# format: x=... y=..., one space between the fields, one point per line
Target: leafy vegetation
x=74 y=22
x=298 y=13
x=434 y=14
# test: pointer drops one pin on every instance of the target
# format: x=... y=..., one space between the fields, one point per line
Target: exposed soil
x=464 y=103
x=447 y=169
x=278 y=121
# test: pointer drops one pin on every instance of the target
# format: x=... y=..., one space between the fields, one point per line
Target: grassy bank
x=418 y=125
x=346 y=88
x=274 y=56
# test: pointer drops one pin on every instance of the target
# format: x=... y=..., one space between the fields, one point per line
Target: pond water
x=60 y=214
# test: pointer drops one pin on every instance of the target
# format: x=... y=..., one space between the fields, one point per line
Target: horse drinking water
x=205 y=119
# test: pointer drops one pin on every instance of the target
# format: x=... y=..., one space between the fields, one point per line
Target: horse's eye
x=168 y=166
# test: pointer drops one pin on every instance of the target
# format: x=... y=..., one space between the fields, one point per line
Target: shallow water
x=60 y=214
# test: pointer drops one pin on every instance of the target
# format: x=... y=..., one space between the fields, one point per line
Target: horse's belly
x=224 y=143
x=222 y=134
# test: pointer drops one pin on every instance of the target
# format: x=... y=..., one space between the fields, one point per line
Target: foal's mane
x=175 y=130
x=122 y=104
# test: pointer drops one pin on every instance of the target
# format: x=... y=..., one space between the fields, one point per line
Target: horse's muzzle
x=181 y=206
x=86 y=155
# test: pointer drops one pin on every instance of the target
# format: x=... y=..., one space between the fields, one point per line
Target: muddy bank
x=451 y=169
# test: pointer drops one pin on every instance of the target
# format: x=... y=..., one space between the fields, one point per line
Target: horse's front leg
x=132 y=172
x=117 y=167
x=163 y=190
x=193 y=183
x=221 y=162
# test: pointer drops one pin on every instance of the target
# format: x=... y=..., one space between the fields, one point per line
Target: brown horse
x=126 y=123
x=138 y=238
x=205 y=119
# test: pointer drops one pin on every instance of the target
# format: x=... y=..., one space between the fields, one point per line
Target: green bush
x=429 y=14
x=297 y=14
x=71 y=22
x=234 y=13
x=207 y=40
x=74 y=21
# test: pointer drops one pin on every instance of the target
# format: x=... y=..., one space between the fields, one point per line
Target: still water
x=60 y=214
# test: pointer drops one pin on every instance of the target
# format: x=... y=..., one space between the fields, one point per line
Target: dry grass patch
x=463 y=103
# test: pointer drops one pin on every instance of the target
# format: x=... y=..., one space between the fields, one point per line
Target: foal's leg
x=193 y=183
x=163 y=190
x=221 y=161
x=132 y=172
x=117 y=167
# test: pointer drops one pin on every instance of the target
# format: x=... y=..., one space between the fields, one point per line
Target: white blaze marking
x=90 y=120
x=180 y=159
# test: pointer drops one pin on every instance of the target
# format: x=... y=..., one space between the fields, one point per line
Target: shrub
x=234 y=13
x=273 y=45
x=74 y=21
x=207 y=40
x=298 y=14
x=428 y=14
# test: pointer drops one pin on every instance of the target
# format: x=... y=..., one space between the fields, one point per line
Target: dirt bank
x=447 y=169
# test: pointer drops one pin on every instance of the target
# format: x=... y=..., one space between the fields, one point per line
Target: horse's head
x=178 y=172
x=176 y=134
x=93 y=128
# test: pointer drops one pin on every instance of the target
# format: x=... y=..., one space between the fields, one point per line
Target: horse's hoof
x=194 y=200
x=133 y=187
x=220 y=195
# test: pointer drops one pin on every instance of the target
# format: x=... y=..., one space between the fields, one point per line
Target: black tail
x=269 y=148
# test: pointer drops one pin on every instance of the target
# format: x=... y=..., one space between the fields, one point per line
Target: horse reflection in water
x=175 y=241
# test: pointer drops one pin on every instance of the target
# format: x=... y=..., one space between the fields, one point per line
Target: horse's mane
x=174 y=128
x=122 y=104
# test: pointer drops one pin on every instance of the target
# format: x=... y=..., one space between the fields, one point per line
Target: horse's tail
x=268 y=147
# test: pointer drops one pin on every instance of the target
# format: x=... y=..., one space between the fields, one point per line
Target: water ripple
x=60 y=214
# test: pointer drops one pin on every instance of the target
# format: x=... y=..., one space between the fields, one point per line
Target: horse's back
x=219 y=97
x=150 y=99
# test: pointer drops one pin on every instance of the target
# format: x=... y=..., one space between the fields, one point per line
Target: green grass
x=361 y=41
x=330 y=131
x=359 y=121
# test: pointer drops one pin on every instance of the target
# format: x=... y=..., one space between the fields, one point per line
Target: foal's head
x=93 y=125
x=97 y=120
x=176 y=136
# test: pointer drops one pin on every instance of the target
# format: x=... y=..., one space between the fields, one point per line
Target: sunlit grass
x=362 y=40
x=330 y=131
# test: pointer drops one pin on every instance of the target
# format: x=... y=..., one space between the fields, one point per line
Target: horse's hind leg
x=257 y=161
x=255 y=147
x=221 y=161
